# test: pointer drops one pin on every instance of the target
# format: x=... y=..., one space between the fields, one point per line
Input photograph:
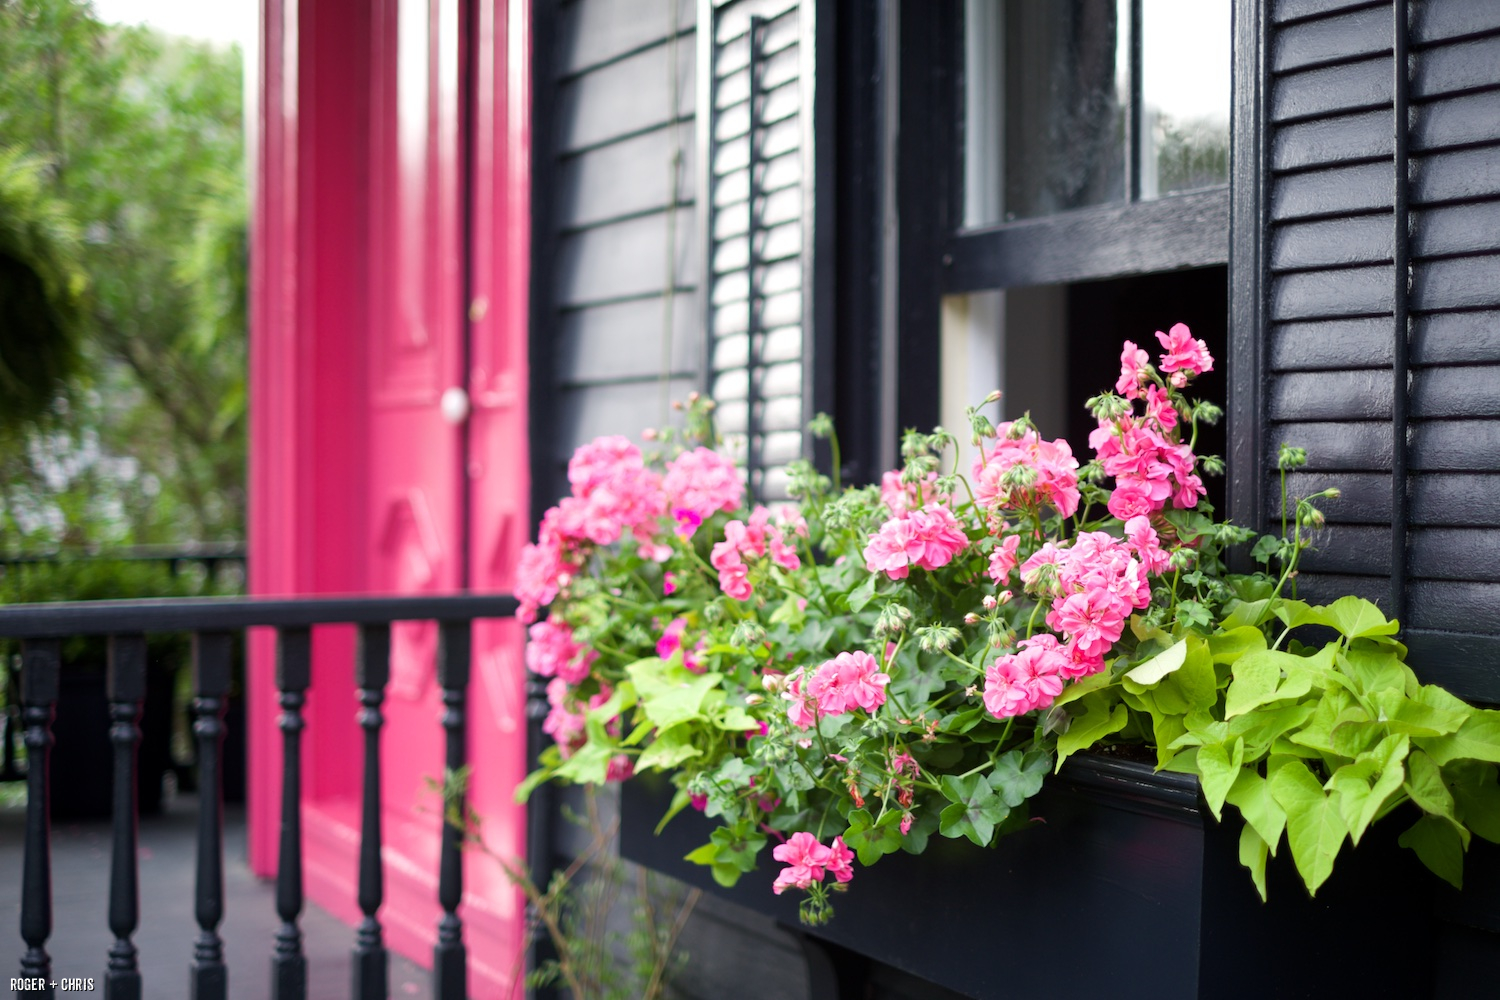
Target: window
x=1094 y=159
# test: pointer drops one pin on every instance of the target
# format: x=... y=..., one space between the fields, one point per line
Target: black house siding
x=617 y=261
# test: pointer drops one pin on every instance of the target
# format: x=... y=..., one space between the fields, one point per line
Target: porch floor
x=80 y=940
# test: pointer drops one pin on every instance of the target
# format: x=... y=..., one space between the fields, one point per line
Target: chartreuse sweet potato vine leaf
x=1096 y=719
x=1439 y=846
x=1314 y=827
x=1355 y=617
x=1253 y=850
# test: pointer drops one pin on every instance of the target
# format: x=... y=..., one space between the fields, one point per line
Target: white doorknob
x=454 y=405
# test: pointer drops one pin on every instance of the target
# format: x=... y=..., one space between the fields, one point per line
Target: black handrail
x=211 y=620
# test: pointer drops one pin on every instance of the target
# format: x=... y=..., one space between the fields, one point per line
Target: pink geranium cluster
x=1138 y=450
x=698 y=484
x=848 y=681
x=927 y=538
x=1024 y=472
x=755 y=539
x=1025 y=680
x=1094 y=585
x=807 y=861
x=901 y=497
x=1149 y=469
x=614 y=494
x=553 y=652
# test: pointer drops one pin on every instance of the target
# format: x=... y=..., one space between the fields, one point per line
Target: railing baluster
x=40 y=667
x=211 y=656
x=293 y=672
x=372 y=669
x=449 y=958
x=127 y=691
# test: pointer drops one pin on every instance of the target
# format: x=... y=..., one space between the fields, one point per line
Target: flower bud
x=772 y=682
x=971 y=619
x=754 y=699
x=990 y=602
x=1005 y=597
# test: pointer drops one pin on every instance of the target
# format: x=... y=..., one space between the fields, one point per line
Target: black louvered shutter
x=757 y=122
x=1383 y=334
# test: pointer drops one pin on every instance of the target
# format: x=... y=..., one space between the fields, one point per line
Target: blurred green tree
x=139 y=136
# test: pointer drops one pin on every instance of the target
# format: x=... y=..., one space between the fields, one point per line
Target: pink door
x=396 y=463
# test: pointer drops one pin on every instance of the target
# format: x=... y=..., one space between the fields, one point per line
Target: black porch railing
x=212 y=622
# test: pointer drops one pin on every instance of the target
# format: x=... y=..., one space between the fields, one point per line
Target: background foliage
x=139 y=137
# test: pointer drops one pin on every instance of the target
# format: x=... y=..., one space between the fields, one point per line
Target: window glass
x=1047 y=106
x=1184 y=95
x=1045 y=90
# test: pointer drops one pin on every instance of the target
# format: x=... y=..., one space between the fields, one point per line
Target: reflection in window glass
x=1046 y=87
x=1185 y=95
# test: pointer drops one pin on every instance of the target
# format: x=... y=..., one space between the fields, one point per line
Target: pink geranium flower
x=1133 y=362
x=806 y=861
x=552 y=652
x=797 y=709
x=698 y=484
x=1025 y=680
x=840 y=860
x=850 y=680
x=928 y=538
x=1183 y=353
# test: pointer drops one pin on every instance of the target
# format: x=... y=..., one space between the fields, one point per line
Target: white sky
x=222 y=21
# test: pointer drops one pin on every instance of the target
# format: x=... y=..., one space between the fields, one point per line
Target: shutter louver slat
x=759 y=240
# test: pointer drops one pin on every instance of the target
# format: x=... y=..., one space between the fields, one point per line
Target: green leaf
x=1083 y=686
x=670 y=748
x=1356 y=617
x=1403 y=715
x=872 y=840
x=863 y=594
x=735 y=719
x=1255 y=679
x=1477 y=739
x=1314 y=828
x=1236 y=641
x=680 y=801
x=1424 y=783
x=535 y=778
x=1353 y=616
x=976 y=809
x=1017 y=776
x=670 y=694
x=1374 y=668
x=1437 y=843
x=1331 y=711
x=1477 y=795
x=1097 y=721
x=1271 y=675
x=1251 y=794
x=1218 y=767
x=1253 y=856
x=702 y=855
x=588 y=765
x=1265 y=726
x=1163 y=663
x=1359 y=801
x=1246 y=614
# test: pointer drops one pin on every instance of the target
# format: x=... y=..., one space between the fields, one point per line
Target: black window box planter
x=1123 y=886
